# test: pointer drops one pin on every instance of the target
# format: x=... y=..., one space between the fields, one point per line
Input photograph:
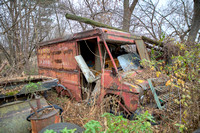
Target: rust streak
x=58 y=60
x=70 y=51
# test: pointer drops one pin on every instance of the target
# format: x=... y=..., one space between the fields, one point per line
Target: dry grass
x=77 y=112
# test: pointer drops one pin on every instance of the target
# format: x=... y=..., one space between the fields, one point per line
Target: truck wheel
x=111 y=104
x=62 y=91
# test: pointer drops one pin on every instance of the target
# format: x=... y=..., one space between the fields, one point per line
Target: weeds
x=93 y=127
x=32 y=87
x=120 y=124
x=65 y=130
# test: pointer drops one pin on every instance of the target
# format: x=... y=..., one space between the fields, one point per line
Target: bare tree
x=195 y=22
x=128 y=10
x=23 y=25
x=148 y=18
x=98 y=10
x=155 y=21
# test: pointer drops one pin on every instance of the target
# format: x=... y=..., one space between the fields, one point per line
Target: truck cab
x=96 y=62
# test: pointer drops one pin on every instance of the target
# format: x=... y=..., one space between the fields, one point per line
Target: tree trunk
x=127 y=14
x=195 y=22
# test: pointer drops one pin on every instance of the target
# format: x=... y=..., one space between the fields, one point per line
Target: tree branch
x=98 y=24
x=132 y=7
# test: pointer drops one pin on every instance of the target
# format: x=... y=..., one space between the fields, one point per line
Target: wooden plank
x=142 y=49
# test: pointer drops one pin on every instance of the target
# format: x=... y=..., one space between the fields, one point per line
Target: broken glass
x=129 y=61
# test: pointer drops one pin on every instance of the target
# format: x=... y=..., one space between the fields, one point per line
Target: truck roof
x=111 y=36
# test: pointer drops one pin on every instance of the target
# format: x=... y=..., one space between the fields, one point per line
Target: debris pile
x=12 y=91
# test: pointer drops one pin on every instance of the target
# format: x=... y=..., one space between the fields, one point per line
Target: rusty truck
x=95 y=60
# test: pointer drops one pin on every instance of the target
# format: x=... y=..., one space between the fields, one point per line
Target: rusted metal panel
x=74 y=89
x=59 y=56
x=114 y=85
x=119 y=37
x=111 y=36
x=56 y=56
x=70 y=79
x=44 y=57
x=61 y=65
x=69 y=51
x=43 y=72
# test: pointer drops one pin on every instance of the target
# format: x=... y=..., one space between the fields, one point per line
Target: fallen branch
x=98 y=24
x=89 y=21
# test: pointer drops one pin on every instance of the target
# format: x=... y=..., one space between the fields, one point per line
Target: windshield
x=129 y=61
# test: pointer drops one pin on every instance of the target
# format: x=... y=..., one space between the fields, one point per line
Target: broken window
x=125 y=57
x=129 y=61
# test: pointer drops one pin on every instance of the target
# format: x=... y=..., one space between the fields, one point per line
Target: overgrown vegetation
x=119 y=124
x=32 y=87
x=184 y=79
x=115 y=124
x=95 y=119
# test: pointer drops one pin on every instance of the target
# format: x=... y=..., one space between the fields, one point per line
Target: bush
x=184 y=69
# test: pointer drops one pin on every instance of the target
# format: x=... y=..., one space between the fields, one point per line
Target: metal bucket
x=43 y=120
x=38 y=124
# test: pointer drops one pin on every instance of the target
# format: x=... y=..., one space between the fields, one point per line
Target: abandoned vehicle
x=95 y=61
